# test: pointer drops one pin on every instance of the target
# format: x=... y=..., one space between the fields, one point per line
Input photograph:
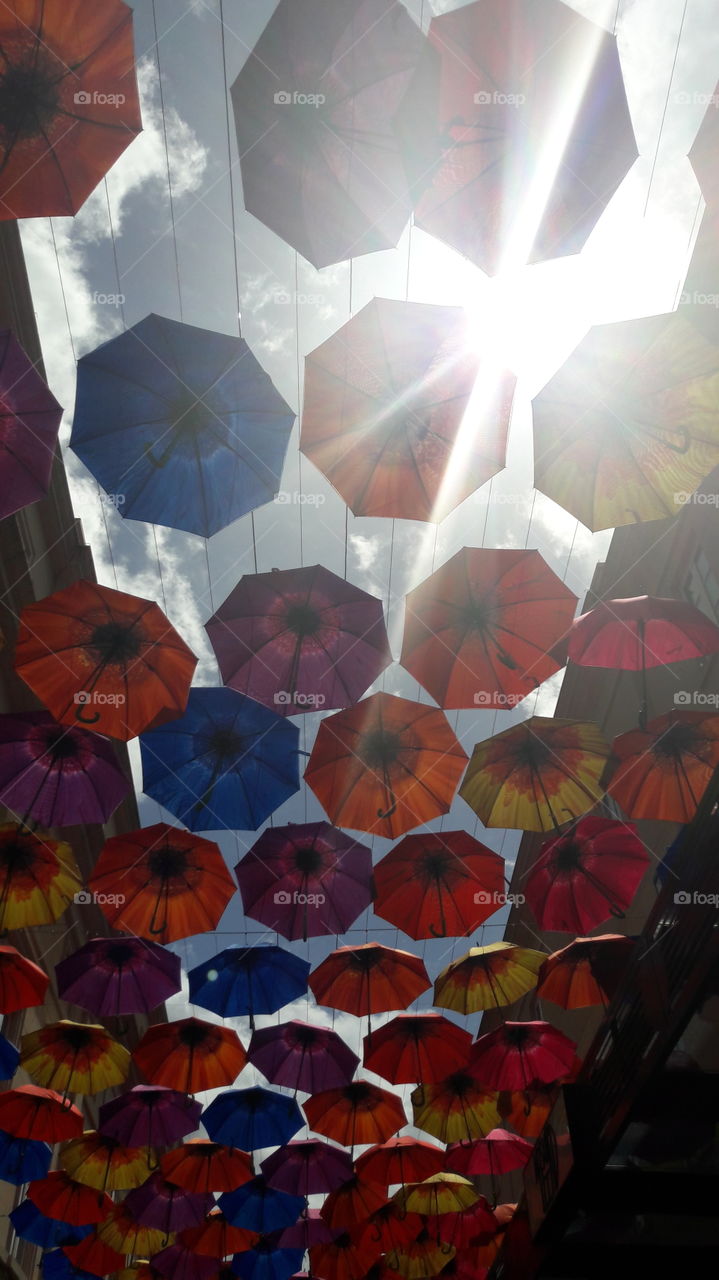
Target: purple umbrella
x=169 y=1208
x=309 y=1230
x=30 y=419
x=300 y=640
x=303 y=1168
x=303 y=1057
x=149 y=1116
x=181 y=1263
x=305 y=880
x=112 y=976
x=56 y=775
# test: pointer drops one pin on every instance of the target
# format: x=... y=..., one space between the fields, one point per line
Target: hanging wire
x=666 y=107
x=167 y=161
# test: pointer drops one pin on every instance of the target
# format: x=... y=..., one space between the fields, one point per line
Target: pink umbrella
x=305 y=1168
x=30 y=418
x=516 y=1054
x=302 y=1057
x=500 y=1152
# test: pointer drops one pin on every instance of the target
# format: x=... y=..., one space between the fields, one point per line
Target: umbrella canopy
x=32 y=1225
x=149 y=1116
x=190 y=1055
x=161 y=1204
x=585 y=973
x=69 y=103
x=537 y=774
x=38 y=877
x=30 y=419
x=357 y=1114
x=310 y=1229
x=385 y=765
x=389 y=1227
x=305 y=880
x=57 y=1196
x=23 y=984
x=57 y=1266
x=487 y=978
x=439 y=1194
x=368 y=979
x=352 y=1203
x=467 y=1227
x=640 y=632
x=94 y=1255
x=180 y=423
x=267 y=1261
x=400 y=1159
x=663 y=771
x=500 y=1152
x=113 y=976
x=423 y=1257
x=39 y=1114
x=226 y=764
x=248 y=980
x=330 y=162
x=9 y=1058
x=103 y=659
x=256 y=1206
x=121 y=1232
x=517 y=1053
x=216 y=1237
x=102 y=1162
x=206 y=1166
x=252 y=1119
x=177 y=1262
x=161 y=882
x=75 y=1057
x=22 y=1160
x=416 y=1046
x=582 y=877
x=300 y=639
x=385 y=401
x=527 y=1109
x=438 y=884
x=57 y=775
x=303 y=1057
x=505 y=193
x=642 y=391
x=455 y=1109
x=341 y=1259
x=478 y=631
x=307 y=1168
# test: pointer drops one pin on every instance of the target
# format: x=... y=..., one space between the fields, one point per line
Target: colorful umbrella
x=113 y=976
x=389 y=1227
x=537 y=774
x=248 y=980
x=456 y=1109
x=256 y=1206
x=416 y=1046
x=93 y=1255
x=478 y=631
x=508 y=191
x=300 y=640
x=527 y=1109
x=226 y=764
x=437 y=1195
x=438 y=884
x=57 y=775
x=642 y=392
x=22 y=1160
x=466 y=1227
x=149 y=1116
x=368 y=979
x=309 y=1230
x=22 y=983
x=499 y=1152
x=57 y=1196
x=121 y=1232
x=585 y=973
x=305 y=880
x=177 y=1262
x=75 y=1057
x=352 y=1203
x=267 y=1261
x=161 y=882
x=252 y=1119
x=103 y=659
x=307 y=1168
x=582 y=877
x=341 y=1259
x=190 y=1055
x=332 y=160
x=57 y=1266
x=206 y=1166
x=516 y=1054
x=385 y=765
x=400 y=1159
x=664 y=770
x=216 y=1237
x=39 y=1114
x=487 y=978
x=357 y=1114
x=303 y=1057
x=32 y=1225
x=30 y=419
x=424 y=1257
x=69 y=103
x=388 y=397
x=183 y=423
x=102 y=1162
x=161 y=1204
x=38 y=877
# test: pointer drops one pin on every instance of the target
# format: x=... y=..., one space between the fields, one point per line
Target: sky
x=118 y=260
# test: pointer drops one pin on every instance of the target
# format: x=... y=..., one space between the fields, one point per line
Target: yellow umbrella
x=456 y=1109
x=74 y=1057
x=488 y=978
x=441 y=1193
x=38 y=877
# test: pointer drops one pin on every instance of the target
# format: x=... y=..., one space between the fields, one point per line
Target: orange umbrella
x=385 y=765
x=663 y=771
x=585 y=973
x=202 y=1166
x=537 y=774
x=400 y=1159
x=38 y=877
x=352 y=1203
x=41 y=1115
x=22 y=983
x=75 y=1057
x=357 y=1114
x=58 y=1196
x=368 y=979
x=416 y=1046
x=190 y=1055
x=527 y=1109
x=104 y=659
x=438 y=884
x=487 y=978
x=101 y=1162
x=455 y=1109
x=217 y=1238
x=162 y=883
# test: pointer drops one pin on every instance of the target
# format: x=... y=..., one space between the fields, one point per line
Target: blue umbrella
x=180 y=425
x=57 y=1266
x=23 y=1159
x=226 y=764
x=9 y=1058
x=248 y=980
x=267 y=1261
x=252 y=1119
x=30 y=1224
x=259 y=1207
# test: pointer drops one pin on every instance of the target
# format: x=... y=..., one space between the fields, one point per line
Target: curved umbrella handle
x=160 y=462
x=387 y=813
x=93 y=719
x=438 y=933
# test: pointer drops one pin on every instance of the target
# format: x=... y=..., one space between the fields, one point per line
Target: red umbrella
x=58 y=1196
x=199 y=1166
x=585 y=973
x=93 y=1255
x=352 y=1203
x=415 y=1047
x=343 y=1259
x=389 y=1227
x=463 y=1228
x=39 y=1114
x=438 y=884
x=664 y=770
x=500 y=1152
x=479 y=630
x=516 y=1054
x=216 y=1237
x=22 y=983
x=400 y=1159
x=582 y=877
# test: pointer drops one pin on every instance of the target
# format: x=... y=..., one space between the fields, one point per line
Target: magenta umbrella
x=177 y=1262
x=309 y=1229
x=500 y=1152
x=161 y=1204
x=112 y=976
x=30 y=419
x=306 y=1168
x=57 y=775
x=305 y=880
x=516 y=1054
x=302 y=1057
x=149 y=1116
x=300 y=640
